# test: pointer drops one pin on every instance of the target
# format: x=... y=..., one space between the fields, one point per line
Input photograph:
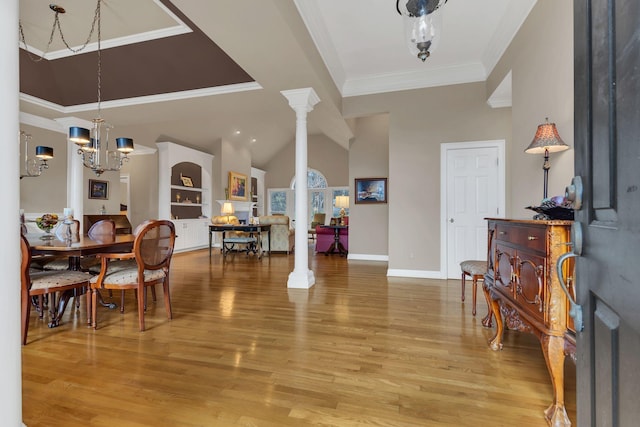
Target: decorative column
x=75 y=169
x=10 y=351
x=302 y=102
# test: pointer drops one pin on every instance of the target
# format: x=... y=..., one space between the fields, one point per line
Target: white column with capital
x=10 y=351
x=75 y=169
x=302 y=102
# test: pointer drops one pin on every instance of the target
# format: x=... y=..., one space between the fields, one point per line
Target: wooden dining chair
x=152 y=251
x=106 y=229
x=101 y=230
x=45 y=283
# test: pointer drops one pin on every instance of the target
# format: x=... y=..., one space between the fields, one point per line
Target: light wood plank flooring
x=358 y=349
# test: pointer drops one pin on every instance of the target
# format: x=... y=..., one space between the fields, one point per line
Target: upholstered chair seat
x=151 y=254
x=38 y=284
x=476 y=270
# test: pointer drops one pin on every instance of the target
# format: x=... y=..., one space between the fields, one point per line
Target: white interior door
x=474 y=190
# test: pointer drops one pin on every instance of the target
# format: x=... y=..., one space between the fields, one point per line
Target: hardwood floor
x=358 y=349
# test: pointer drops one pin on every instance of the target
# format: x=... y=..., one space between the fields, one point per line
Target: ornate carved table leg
x=553 y=349
x=487 y=320
x=496 y=341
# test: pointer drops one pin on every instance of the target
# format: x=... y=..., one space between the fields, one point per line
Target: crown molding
x=41 y=122
x=414 y=80
x=506 y=31
x=501 y=96
x=173 y=96
x=312 y=18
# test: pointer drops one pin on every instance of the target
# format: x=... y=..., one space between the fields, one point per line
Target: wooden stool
x=477 y=270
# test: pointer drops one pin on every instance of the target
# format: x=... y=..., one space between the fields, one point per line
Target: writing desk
x=257 y=229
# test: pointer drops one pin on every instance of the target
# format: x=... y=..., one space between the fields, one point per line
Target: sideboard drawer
x=529 y=237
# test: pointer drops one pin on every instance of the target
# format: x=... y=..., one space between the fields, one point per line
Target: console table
x=258 y=229
x=524 y=292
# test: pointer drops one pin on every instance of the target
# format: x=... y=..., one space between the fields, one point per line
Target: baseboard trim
x=418 y=274
x=368 y=257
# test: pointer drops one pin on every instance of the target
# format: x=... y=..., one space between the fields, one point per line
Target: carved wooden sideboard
x=525 y=294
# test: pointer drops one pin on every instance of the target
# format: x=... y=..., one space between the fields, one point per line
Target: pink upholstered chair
x=325 y=237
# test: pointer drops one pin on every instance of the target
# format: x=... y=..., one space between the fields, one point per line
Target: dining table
x=74 y=248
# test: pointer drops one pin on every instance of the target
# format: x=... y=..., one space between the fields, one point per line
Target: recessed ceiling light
x=237 y=132
x=253 y=140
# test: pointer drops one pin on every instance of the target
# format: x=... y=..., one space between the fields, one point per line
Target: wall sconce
x=547 y=140
x=33 y=167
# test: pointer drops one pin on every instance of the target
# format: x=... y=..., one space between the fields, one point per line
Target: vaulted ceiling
x=195 y=71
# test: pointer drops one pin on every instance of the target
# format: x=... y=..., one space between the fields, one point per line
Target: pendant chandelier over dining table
x=93 y=144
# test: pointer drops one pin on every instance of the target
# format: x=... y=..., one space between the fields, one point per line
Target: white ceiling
x=360 y=42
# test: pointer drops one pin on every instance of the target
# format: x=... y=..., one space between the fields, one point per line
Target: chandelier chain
x=57 y=26
x=97 y=15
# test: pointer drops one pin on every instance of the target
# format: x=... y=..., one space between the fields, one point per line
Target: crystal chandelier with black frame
x=93 y=144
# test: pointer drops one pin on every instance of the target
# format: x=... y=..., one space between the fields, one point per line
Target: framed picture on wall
x=98 y=189
x=371 y=190
x=238 y=188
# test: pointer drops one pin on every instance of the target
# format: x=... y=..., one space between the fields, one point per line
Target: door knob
x=574 y=192
x=451 y=220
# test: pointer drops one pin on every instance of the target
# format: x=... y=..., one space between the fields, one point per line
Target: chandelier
x=34 y=167
x=422 y=26
x=93 y=145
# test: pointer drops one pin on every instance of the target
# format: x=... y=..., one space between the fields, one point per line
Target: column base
x=301 y=280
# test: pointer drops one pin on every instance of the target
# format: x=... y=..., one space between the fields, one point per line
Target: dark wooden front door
x=607 y=143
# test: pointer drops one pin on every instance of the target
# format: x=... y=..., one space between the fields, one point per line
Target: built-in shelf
x=180 y=187
x=191 y=219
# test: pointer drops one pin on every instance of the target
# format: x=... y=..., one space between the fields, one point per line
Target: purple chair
x=325 y=237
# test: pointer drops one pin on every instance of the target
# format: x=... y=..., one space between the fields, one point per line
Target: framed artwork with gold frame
x=238 y=189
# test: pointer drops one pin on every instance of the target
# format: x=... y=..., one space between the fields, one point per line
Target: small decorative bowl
x=46 y=222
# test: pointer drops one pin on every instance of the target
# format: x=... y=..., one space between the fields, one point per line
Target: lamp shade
x=227 y=208
x=546 y=139
x=44 y=153
x=125 y=145
x=80 y=136
x=342 y=201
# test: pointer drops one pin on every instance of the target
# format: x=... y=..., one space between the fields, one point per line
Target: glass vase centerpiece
x=46 y=223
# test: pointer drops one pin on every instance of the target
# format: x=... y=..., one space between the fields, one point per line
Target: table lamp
x=227 y=209
x=547 y=140
x=342 y=202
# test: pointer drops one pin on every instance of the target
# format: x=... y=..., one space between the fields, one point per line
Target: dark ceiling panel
x=171 y=64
